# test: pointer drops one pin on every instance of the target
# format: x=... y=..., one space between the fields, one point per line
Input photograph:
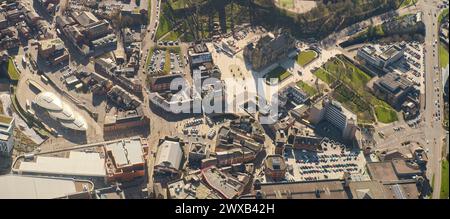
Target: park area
x=445 y=177
x=311 y=91
x=182 y=4
x=407 y=3
x=164 y=27
x=305 y=57
x=12 y=70
x=385 y=115
x=443 y=55
x=352 y=93
x=286 y=3
x=279 y=72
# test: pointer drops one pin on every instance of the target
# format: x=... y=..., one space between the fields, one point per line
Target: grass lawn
x=172 y=36
x=355 y=103
x=324 y=76
x=385 y=115
x=354 y=95
x=306 y=57
x=406 y=3
x=287 y=3
x=164 y=27
x=443 y=56
x=353 y=76
x=279 y=72
x=182 y=4
x=166 y=68
x=177 y=4
x=443 y=14
x=446 y=115
x=12 y=71
x=149 y=57
x=311 y=91
x=346 y=71
x=176 y=50
x=444 y=182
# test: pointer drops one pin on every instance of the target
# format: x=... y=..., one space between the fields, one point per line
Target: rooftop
x=48 y=44
x=275 y=162
x=76 y=164
x=403 y=167
x=126 y=152
x=5 y=119
x=367 y=190
x=190 y=188
x=394 y=82
x=49 y=101
x=327 y=189
x=85 y=18
x=390 y=52
x=227 y=185
x=61 y=111
x=405 y=189
x=382 y=171
x=34 y=187
x=169 y=154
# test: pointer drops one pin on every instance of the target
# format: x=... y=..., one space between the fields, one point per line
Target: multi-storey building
x=269 y=49
x=125 y=159
x=6 y=134
x=336 y=114
x=393 y=88
x=380 y=58
x=275 y=167
x=169 y=156
x=53 y=51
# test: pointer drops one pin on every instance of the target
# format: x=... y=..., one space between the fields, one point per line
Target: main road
x=433 y=130
x=159 y=126
x=148 y=40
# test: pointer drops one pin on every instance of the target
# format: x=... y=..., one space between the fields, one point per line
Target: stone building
x=270 y=48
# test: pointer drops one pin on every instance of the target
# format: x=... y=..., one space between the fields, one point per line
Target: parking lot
x=332 y=163
x=158 y=62
x=412 y=65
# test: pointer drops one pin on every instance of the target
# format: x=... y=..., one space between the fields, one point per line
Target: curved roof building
x=60 y=111
x=78 y=123
x=49 y=101
x=66 y=114
x=169 y=156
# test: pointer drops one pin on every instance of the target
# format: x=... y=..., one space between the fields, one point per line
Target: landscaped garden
x=279 y=72
x=311 y=91
x=353 y=94
x=305 y=57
